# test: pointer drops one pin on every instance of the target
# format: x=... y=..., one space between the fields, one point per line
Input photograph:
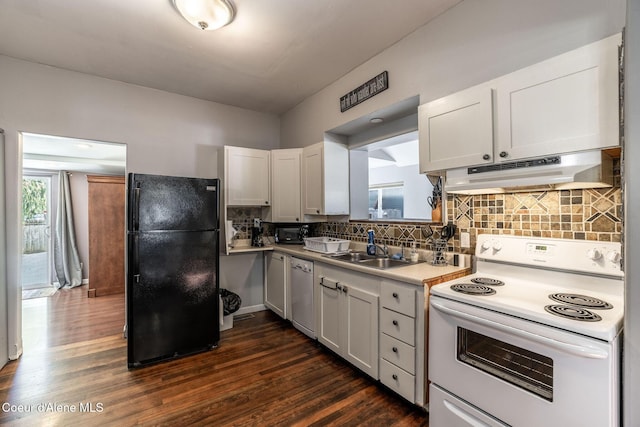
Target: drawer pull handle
x=395 y=295
x=394 y=349
x=395 y=377
x=395 y=323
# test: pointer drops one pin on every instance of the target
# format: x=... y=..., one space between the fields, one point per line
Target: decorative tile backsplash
x=589 y=214
x=242 y=218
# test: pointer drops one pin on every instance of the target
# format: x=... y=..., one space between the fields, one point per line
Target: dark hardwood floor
x=263 y=373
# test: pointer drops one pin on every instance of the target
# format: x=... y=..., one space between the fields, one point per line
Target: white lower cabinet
x=402 y=339
x=378 y=325
x=399 y=353
x=275 y=295
x=347 y=315
x=398 y=380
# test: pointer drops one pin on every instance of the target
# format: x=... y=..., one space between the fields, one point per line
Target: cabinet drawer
x=398 y=380
x=398 y=353
x=398 y=326
x=398 y=298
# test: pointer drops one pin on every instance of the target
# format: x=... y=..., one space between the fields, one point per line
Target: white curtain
x=65 y=251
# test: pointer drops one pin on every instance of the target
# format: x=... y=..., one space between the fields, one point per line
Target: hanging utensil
x=433 y=201
x=449 y=230
x=426 y=233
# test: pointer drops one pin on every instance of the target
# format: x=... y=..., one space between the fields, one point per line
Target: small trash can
x=229 y=304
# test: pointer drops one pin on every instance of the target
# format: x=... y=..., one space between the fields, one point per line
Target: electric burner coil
x=581 y=301
x=472 y=289
x=572 y=312
x=487 y=281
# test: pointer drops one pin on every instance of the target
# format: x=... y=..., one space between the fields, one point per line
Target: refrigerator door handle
x=136 y=260
x=136 y=208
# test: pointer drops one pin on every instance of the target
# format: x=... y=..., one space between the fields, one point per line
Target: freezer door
x=172 y=203
x=172 y=295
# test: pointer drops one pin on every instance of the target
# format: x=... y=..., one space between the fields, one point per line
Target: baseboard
x=250 y=309
x=85 y=281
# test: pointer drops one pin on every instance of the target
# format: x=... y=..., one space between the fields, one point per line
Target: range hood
x=590 y=169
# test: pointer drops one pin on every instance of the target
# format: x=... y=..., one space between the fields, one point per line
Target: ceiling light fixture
x=206 y=14
x=376 y=120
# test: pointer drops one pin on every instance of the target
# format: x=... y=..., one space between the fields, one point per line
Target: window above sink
x=396 y=189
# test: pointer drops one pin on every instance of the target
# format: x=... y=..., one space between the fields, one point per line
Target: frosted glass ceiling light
x=206 y=14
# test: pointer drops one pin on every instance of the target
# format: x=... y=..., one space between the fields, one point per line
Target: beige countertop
x=419 y=274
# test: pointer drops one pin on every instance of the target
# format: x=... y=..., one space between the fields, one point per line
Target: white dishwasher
x=302 y=313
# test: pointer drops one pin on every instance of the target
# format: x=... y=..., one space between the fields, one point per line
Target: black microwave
x=291 y=235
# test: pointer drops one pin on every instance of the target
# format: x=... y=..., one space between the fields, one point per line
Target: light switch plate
x=465 y=240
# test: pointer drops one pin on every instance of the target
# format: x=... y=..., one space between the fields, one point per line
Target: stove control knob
x=496 y=246
x=613 y=256
x=594 y=254
x=486 y=245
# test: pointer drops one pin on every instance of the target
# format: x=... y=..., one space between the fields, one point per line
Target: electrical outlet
x=257 y=222
x=465 y=240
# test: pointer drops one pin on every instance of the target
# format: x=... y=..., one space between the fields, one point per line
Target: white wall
x=4 y=339
x=165 y=134
x=471 y=43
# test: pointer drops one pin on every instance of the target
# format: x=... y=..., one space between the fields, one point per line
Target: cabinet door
x=274 y=291
x=457 y=130
x=247 y=177
x=285 y=188
x=313 y=180
x=361 y=327
x=106 y=235
x=567 y=103
x=329 y=311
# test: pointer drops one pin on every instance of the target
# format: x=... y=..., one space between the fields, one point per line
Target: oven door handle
x=576 y=350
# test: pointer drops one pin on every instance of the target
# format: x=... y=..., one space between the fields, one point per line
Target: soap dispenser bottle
x=414 y=252
x=371 y=245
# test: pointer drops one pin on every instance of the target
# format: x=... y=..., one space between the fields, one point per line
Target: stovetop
x=523 y=277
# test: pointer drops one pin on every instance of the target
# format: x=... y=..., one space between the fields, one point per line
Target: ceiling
x=272 y=56
x=400 y=151
x=52 y=153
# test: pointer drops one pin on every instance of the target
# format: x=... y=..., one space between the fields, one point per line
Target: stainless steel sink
x=384 y=263
x=355 y=257
x=366 y=260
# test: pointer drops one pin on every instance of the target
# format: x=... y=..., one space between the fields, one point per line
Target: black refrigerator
x=172 y=267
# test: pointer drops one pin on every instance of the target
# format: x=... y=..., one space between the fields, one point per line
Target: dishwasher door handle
x=329 y=284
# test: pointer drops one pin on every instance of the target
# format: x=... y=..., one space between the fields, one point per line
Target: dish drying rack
x=326 y=245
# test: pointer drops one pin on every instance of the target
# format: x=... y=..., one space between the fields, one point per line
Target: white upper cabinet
x=565 y=104
x=285 y=186
x=325 y=179
x=247 y=173
x=456 y=130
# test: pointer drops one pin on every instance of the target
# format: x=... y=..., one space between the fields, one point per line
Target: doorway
x=47 y=162
x=36 y=233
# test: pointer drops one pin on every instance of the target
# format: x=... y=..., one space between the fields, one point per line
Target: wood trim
x=105 y=179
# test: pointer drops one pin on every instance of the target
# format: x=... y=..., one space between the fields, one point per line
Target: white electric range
x=531 y=338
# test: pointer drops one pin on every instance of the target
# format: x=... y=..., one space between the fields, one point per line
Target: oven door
x=521 y=372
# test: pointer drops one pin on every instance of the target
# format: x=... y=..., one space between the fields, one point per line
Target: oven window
x=523 y=368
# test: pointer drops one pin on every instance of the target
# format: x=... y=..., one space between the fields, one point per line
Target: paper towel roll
x=230 y=233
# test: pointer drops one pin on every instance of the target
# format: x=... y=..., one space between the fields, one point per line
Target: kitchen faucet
x=384 y=249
